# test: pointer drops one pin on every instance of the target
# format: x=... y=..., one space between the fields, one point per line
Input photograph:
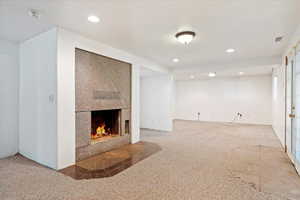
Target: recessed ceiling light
x=185 y=37
x=212 y=74
x=192 y=76
x=93 y=19
x=176 y=60
x=230 y=50
x=241 y=73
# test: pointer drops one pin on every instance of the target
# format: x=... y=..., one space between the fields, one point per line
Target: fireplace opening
x=105 y=124
x=127 y=127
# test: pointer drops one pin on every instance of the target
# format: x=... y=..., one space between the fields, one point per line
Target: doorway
x=293 y=107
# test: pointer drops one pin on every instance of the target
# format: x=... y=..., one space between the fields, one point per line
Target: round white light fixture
x=241 y=73
x=212 y=74
x=192 y=76
x=185 y=37
x=93 y=19
x=230 y=50
x=175 y=60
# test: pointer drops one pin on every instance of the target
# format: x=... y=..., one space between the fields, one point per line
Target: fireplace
x=102 y=104
x=105 y=124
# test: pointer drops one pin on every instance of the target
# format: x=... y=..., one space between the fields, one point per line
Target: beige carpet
x=201 y=161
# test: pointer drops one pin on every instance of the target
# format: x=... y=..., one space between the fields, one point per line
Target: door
x=295 y=113
x=292 y=108
x=289 y=93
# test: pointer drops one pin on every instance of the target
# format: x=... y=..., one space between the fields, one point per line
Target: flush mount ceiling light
x=93 y=19
x=192 y=76
x=185 y=37
x=175 y=60
x=230 y=50
x=212 y=74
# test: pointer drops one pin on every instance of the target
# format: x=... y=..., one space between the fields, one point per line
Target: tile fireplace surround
x=103 y=85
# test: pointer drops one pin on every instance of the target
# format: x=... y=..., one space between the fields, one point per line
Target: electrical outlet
x=51 y=98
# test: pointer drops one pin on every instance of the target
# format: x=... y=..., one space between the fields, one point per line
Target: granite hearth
x=112 y=162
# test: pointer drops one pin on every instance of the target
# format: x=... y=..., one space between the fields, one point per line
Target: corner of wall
x=9 y=92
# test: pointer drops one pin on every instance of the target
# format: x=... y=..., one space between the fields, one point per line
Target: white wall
x=38 y=136
x=135 y=103
x=278 y=103
x=47 y=94
x=156 y=102
x=219 y=99
x=9 y=94
x=67 y=42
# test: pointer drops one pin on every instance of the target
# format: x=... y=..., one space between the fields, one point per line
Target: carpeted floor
x=198 y=160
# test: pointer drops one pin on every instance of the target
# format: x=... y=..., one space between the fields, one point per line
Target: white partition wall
x=38 y=88
x=47 y=94
x=67 y=42
x=9 y=93
x=135 y=102
x=278 y=103
x=157 y=99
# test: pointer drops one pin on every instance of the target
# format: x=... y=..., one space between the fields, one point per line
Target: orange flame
x=101 y=129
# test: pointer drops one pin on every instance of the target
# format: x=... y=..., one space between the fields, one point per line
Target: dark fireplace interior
x=105 y=125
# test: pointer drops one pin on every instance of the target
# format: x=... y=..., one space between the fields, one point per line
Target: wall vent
x=278 y=39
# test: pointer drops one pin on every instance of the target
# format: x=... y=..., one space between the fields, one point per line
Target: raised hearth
x=112 y=162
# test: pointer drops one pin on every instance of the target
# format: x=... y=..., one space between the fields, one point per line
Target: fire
x=101 y=131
